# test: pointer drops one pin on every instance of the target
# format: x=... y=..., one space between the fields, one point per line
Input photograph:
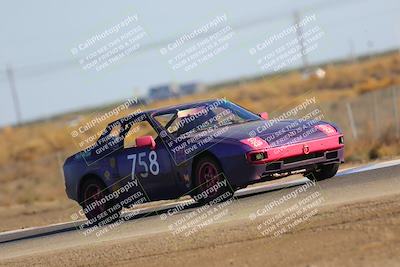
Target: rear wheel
x=211 y=181
x=325 y=172
x=97 y=209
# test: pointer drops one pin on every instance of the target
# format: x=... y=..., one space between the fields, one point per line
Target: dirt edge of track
x=354 y=234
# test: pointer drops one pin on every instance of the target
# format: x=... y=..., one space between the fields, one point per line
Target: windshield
x=202 y=117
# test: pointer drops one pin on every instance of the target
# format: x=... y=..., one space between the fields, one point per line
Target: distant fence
x=370 y=116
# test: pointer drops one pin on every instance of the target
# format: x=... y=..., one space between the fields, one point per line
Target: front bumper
x=307 y=162
x=291 y=158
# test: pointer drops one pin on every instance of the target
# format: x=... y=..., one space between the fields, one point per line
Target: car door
x=152 y=168
x=150 y=165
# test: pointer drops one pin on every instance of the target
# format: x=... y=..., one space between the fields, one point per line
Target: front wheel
x=325 y=172
x=210 y=181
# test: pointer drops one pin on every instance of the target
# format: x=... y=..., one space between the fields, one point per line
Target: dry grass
x=31 y=155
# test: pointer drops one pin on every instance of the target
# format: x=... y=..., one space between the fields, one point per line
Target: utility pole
x=352 y=54
x=300 y=37
x=14 y=94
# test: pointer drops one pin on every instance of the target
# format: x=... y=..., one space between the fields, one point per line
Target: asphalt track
x=361 y=183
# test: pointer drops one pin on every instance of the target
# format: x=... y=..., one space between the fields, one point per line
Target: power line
x=55 y=66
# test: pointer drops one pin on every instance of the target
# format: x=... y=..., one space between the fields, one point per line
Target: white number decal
x=144 y=164
x=153 y=166
x=133 y=158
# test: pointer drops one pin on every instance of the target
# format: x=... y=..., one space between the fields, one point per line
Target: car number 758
x=152 y=166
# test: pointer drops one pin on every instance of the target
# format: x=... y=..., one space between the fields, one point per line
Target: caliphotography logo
x=208 y=133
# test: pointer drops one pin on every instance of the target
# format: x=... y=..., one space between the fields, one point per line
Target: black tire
x=94 y=189
x=324 y=172
x=216 y=177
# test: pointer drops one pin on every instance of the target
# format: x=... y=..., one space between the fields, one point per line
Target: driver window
x=138 y=129
x=111 y=134
x=225 y=117
x=165 y=119
x=115 y=130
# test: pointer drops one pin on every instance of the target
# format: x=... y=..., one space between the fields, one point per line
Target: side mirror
x=264 y=115
x=145 y=141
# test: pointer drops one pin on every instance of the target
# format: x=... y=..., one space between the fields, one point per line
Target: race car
x=203 y=149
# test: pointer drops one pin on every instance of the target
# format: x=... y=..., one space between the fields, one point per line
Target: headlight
x=257 y=156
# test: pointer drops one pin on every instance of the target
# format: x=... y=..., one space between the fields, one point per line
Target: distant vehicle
x=195 y=147
x=163 y=92
x=168 y=91
x=191 y=88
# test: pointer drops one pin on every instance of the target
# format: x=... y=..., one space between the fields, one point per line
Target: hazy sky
x=37 y=38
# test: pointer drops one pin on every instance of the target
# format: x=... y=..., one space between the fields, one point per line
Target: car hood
x=275 y=133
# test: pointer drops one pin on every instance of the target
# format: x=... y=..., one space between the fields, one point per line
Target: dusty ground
x=357 y=234
x=45 y=213
x=36 y=214
x=357 y=224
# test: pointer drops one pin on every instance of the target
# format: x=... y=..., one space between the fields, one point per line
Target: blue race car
x=204 y=149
